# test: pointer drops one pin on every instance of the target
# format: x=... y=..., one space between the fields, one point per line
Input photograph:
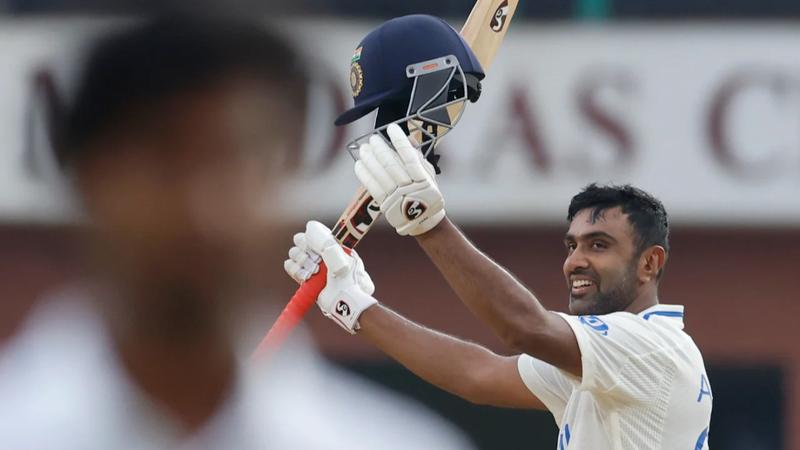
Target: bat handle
x=302 y=300
x=359 y=212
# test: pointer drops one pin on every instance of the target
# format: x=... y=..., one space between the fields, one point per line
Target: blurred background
x=697 y=102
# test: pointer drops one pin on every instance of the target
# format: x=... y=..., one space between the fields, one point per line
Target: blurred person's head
x=174 y=143
x=617 y=245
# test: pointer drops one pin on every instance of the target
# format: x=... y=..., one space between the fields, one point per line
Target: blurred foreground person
x=173 y=145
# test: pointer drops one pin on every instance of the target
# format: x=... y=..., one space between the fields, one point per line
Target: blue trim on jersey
x=701 y=440
x=663 y=313
x=563 y=438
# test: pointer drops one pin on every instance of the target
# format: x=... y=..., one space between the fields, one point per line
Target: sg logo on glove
x=343 y=309
x=413 y=209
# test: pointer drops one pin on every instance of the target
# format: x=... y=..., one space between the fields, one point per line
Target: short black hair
x=646 y=213
x=133 y=69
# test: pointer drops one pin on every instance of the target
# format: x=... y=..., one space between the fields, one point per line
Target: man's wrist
x=428 y=224
x=438 y=230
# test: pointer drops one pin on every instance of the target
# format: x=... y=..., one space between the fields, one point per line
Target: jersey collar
x=673 y=313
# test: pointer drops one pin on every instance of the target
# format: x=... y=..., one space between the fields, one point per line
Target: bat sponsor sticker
x=363 y=219
x=500 y=17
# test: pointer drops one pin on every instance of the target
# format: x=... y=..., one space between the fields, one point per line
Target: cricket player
x=173 y=143
x=617 y=373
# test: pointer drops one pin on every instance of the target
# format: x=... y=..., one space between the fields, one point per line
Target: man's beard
x=618 y=297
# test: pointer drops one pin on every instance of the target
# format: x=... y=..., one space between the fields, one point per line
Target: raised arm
x=403 y=184
x=494 y=295
x=462 y=368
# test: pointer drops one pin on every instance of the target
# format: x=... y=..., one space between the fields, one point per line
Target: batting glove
x=401 y=182
x=348 y=291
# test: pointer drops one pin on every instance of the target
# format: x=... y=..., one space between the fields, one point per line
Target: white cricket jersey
x=644 y=385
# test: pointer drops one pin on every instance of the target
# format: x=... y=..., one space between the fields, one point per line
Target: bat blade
x=484 y=31
x=486 y=27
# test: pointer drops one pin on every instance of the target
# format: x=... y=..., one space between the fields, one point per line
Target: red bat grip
x=302 y=300
x=360 y=213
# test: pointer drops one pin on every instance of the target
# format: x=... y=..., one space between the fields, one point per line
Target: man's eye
x=599 y=245
x=571 y=246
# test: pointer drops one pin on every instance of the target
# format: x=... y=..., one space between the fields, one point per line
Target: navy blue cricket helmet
x=411 y=69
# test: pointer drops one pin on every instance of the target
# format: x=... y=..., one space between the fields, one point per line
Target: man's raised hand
x=401 y=182
x=349 y=288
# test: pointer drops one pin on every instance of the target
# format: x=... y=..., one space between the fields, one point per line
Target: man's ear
x=651 y=262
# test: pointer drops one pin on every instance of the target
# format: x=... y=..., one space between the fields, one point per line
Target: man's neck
x=191 y=380
x=647 y=299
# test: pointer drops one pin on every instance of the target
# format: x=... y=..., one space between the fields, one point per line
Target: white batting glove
x=302 y=262
x=349 y=288
x=401 y=182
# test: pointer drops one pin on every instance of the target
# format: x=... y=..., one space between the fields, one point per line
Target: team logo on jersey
x=500 y=17
x=705 y=388
x=356 y=78
x=596 y=324
x=413 y=209
x=343 y=309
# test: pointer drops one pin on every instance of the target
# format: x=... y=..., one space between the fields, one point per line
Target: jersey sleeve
x=622 y=360
x=548 y=383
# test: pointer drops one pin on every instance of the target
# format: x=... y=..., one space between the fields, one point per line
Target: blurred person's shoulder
x=56 y=377
x=63 y=388
x=60 y=325
x=302 y=391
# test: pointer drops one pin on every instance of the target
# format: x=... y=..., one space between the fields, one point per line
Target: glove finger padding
x=390 y=161
x=362 y=277
x=428 y=168
x=302 y=262
x=298 y=255
x=300 y=242
x=369 y=182
x=318 y=237
x=410 y=156
x=376 y=169
x=295 y=271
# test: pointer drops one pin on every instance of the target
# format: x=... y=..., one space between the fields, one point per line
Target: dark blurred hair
x=134 y=69
x=645 y=213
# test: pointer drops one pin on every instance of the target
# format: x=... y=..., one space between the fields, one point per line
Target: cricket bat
x=484 y=31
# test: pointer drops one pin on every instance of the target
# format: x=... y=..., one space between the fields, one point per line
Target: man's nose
x=575 y=260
